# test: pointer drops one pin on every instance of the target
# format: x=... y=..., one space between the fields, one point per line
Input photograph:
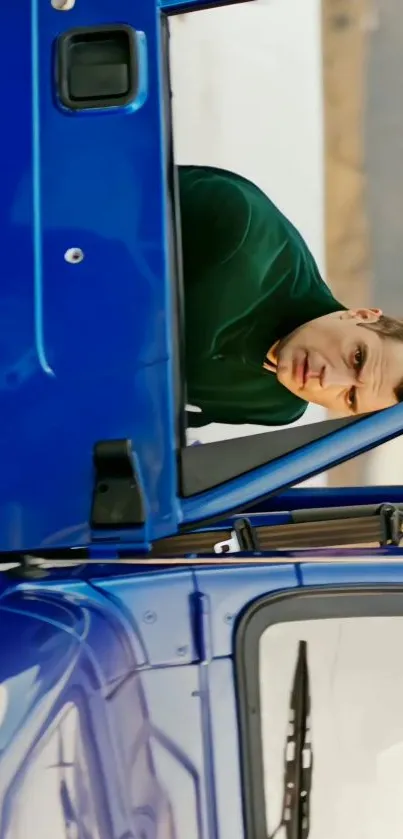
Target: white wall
x=247 y=96
x=385 y=464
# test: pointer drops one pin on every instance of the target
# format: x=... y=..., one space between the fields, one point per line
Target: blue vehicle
x=171 y=667
x=160 y=702
x=89 y=196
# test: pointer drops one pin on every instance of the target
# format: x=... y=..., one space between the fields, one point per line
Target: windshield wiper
x=298 y=756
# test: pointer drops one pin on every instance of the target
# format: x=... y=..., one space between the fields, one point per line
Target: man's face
x=334 y=362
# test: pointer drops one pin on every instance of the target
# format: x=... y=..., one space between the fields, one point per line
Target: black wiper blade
x=298 y=757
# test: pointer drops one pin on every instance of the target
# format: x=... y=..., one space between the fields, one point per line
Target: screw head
x=63 y=5
x=74 y=256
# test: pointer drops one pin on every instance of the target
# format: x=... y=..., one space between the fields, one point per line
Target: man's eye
x=351 y=397
x=358 y=358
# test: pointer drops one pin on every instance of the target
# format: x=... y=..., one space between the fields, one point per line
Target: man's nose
x=332 y=377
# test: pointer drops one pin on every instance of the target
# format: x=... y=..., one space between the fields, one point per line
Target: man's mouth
x=301 y=370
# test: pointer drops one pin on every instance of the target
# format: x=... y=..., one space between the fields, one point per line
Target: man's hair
x=388 y=327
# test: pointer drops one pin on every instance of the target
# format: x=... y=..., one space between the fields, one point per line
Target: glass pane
x=356 y=724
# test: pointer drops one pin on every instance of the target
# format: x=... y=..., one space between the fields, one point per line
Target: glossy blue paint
x=258 y=519
x=86 y=349
x=229 y=589
x=180 y=750
x=154 y=602
x=225 y=747
x=305 y=499
x=293 y=468
x=117 y=697
x=182 y=6
x=327 y=574
x=86 y=743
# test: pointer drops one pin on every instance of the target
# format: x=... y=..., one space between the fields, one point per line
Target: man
x=264 y=334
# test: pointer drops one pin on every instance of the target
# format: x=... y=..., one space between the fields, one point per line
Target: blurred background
x=300 y=97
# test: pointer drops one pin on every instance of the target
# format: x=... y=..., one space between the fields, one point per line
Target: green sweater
x=249 y=280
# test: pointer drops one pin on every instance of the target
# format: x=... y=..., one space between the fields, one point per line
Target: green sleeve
x=215 y=217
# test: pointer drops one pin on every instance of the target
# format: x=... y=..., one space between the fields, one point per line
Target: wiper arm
x=298 y=757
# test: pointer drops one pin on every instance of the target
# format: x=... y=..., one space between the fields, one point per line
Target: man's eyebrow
x=354 y=408
x=398 y=391
x=364 y=351
x=377 y=365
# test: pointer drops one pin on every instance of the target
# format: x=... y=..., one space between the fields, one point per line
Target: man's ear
x=362 y=315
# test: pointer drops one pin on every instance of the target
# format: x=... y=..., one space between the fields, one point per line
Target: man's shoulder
x=285 y=409
x=215 y=214
x=254 y=195
x=239 y=206
x=224 y=184
x=269 y=232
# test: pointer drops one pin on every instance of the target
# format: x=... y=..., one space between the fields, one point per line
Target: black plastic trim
x=175 y=246
x=256 y=505
x=311 y=604
x=73 y=38
x=209 y=466
x=117 y=500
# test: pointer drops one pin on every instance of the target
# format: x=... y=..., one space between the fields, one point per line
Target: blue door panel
x=226 y=756
x=110 y=642
x=180 y=752
x=86 y=350
x=136 y=752
x=301 y=498
x=328 y=573
x=159 y=607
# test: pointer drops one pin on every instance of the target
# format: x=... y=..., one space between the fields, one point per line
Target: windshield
x=356 y=694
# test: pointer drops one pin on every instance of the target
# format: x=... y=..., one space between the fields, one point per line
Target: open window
x=230 y=112
x=320 y=688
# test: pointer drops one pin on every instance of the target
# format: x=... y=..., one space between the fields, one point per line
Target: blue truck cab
x=150 y=689
x=92 y=390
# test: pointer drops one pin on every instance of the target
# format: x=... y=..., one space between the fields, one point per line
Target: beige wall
x=346 y=28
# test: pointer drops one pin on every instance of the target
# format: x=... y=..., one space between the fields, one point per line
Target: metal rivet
x=63 y=5
x=74 y=256
x=181 y=651
x=228 y=618
x=149 y=617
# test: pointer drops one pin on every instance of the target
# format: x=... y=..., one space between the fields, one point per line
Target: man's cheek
x=285 y=378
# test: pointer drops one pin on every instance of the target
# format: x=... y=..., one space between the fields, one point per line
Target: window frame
x=211 y=488
x=228 y=476
x=312 y=603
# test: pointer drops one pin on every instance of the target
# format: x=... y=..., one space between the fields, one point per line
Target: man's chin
x=288 y=383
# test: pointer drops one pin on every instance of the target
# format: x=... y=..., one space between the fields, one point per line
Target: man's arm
x=215 y=218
